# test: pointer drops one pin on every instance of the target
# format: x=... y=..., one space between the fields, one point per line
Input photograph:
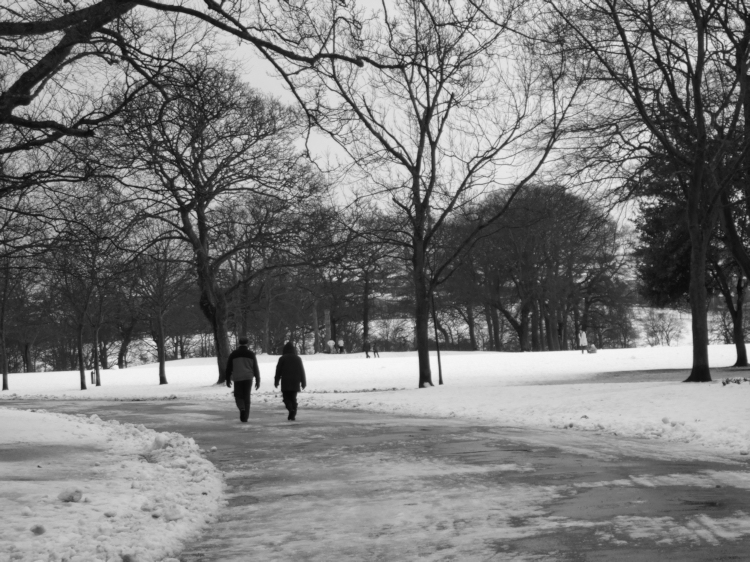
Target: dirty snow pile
x=79 y=488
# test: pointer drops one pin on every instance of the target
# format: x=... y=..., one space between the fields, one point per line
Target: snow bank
x=80 y=488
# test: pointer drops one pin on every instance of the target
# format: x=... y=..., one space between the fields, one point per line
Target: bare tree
x=453 y=97
x=664 y=87
x=215 y=161
x=662 y=328
x=164 y=278
x=58 y=50
x=87 y=258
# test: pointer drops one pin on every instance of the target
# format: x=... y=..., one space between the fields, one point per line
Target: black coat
x=290 y=371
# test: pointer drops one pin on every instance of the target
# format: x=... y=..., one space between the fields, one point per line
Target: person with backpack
x=242 y=367
x=290 y=372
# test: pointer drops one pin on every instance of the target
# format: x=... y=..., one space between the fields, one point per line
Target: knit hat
x=243 y=340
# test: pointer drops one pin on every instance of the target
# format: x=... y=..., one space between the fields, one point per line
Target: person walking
x=242 y=367
x=366 y=348
x=375 y=350
x=341 y=346
x=582 y=341
x=290 y=372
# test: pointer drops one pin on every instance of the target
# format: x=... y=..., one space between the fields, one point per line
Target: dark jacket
x=290 y=371
x=366 y=346
x=243 y=366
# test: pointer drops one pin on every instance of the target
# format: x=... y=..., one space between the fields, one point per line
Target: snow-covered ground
x=79 y=488
x=553 y=389
x=110 y=491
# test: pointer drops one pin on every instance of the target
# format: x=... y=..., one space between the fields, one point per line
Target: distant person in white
x=582 y=341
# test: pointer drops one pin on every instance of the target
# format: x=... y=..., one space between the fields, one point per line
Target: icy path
x=344 y=485
x=80 y=488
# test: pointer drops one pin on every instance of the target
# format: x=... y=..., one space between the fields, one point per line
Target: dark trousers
x=290 y=401
x=367 y=354
x=242 y=395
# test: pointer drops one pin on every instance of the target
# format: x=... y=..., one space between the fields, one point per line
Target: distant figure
x=366 y=348
x=93 y=378
x=331 y=345
x=341 y=346
x=291 y=373
x=582 y=341
x=375 y=350
x=242 y=366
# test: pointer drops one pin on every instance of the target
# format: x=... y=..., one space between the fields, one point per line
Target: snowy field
x=109 y=491
x=86 y=489
x=553 y=389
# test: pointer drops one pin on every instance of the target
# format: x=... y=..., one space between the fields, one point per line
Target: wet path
x=359 y=486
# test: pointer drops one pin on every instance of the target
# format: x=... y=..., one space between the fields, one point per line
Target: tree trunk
x=5 y=354
x=422 y=314
x=3 y=312
x=472 y=328
x=490 y=332
x=738 y=321
x=327 y=320
x=563 y=329
x=96 y=356
x=422 y=317
x=496 y=341
x=534 y=328
x=524 y=328
x=127 y=335
x=81 y=366
x=316 y=327
x=698 y=305
x=543 y=326
x=245 y=308
x=266 y=348
x=103 y=355
x=553 y=329
x=267 y=322
x=501 y=329
x=161 y=348
x=28 y=361
x=214 y=309
x=366 y=309
x=437 y=343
